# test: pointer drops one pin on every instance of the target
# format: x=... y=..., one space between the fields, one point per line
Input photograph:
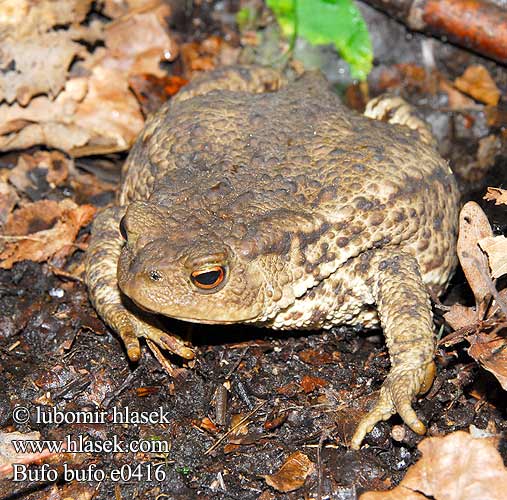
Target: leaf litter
x=63 y=94
x=29 y=220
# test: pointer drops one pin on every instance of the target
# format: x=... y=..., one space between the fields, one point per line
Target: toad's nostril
x=155 y=275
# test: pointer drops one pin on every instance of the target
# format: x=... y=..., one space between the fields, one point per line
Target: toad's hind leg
x=406 y=318
x=101 y=267
x=395 y=110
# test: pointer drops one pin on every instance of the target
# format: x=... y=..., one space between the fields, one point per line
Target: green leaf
x=323 y=22
x=244 y=16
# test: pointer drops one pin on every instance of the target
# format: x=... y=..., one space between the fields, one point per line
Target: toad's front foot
x=130 y=327
x=396 y=395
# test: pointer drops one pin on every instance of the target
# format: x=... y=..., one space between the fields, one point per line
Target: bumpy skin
x=319 y=216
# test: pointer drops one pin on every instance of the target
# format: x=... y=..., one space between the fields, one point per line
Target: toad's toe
x=396 y=396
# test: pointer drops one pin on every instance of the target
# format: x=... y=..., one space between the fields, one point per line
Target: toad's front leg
x=101 y=270
x=405 y=314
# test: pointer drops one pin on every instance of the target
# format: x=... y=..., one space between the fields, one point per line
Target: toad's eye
x=208 y=278
x=123 y=229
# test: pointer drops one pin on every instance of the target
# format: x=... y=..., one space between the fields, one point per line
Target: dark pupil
x=123 y=229
x=207 y=278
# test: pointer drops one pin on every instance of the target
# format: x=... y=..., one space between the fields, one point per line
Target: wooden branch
x=477 y=25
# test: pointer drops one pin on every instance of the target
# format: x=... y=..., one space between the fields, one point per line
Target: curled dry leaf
x=9 y=456
x=490 y=351
x=42 y=230
x=477 y=82
x=499 y=196
x=32 y=218
x=292 y=474
x=33 y=59
x=496 y=249
x=474 y=226
x=454 y=467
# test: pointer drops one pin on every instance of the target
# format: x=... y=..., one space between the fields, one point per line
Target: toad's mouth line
x=208 y=321
x=187 y=319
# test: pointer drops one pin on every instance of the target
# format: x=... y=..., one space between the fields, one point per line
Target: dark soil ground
x=298 y=391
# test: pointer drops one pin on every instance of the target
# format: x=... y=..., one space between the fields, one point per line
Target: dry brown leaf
x=457 y=100
x=242 y=428
x=33 y=217
x=316 y=358
x=26 y=242
x=24 y=18
x=477 y=82
x=496 y=248
x=499 y=196
x=459 y=316
x=474 y=226
x=9 y=456
x=208 y=54
x=8 y=199
x=152 y=92
x=118 y=8
x=208 y=425
x=491 y=353
x=109 y=113
x=54 y=164
x=266 y=495
x=139 y=41
x=309 y=384
x=454 y=467
x=40 y=65
x=292 y=474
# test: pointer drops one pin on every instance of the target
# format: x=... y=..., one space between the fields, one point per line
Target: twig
x=477 y=25
x=241 y=422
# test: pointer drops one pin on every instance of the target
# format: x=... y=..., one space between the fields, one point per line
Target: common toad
x=246 y=200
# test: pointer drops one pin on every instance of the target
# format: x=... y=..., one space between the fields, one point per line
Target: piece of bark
x=477 y=25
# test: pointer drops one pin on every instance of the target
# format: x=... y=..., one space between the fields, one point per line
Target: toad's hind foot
x=396 y=396
x=396 y=110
